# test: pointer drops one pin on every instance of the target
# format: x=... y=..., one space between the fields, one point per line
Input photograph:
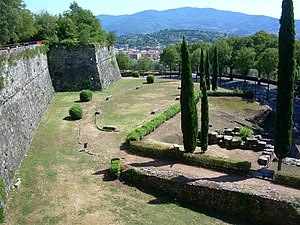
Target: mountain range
x=231 y=23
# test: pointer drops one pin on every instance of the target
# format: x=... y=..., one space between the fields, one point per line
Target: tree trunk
x=279 y=164
x=179 y=68
x=268 y=91
x=259 y=77
x=231 y=73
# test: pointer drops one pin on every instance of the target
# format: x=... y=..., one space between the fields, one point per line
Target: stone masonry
x=83 y=67
x=24 y=98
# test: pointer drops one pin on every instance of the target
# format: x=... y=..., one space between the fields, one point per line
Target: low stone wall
x=82 y=67
x=246 y=203
x=26 y=93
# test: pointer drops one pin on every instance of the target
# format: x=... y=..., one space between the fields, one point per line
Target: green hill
x=231 y=23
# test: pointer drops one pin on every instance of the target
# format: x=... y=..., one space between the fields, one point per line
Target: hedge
x=287 y=179
x=160 y=151
x=247 y=94
x=139 y=133
x=115 y=167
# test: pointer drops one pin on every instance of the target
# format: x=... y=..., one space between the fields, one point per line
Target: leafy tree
x=204 y=117
x=285 y=85
x=189 y=117
x=224 y=53
x=25 y=29
x=215 y=70
x=169 y=56
x=123 y=61
x=144 y=63
x=267 y=63
x=207 y=71
x=245 y=61
x=236 y=44
x=195 y=56
x=8 y=16
x=66 y=28
x=81 y=24
x=46 y=26
x=111 y=38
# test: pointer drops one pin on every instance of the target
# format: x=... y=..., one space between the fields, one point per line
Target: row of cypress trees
x=189 y=115
x=285 y=93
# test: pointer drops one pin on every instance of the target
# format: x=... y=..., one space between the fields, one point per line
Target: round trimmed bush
x=76 y=112
x=86 y=96
x=150 y=79
x=135 y=74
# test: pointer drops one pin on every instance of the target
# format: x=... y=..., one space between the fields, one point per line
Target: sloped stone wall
x=25 y=94
x=82 y=67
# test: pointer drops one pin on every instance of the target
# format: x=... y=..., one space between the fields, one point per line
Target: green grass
x=58 y=185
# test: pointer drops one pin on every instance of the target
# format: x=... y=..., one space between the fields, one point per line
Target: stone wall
x=24 y=97
x=82 y=67
x=269 y=208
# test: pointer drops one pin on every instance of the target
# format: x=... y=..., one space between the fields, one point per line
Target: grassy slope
x=58 y=185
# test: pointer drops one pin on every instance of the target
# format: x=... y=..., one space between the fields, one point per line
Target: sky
x=119 y=7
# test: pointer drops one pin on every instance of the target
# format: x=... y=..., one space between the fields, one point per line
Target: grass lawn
x=61 y=185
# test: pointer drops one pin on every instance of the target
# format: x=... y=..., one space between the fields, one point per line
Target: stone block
x=212 y=137
x=227 y=141
x=228 y=131
x=235 y=143
x=236 y=129
x=155 y=111
x=263 y=160
x=176 y=147
x=250 y=143
x=261 y=145
x=108 y=97
x=110 y=128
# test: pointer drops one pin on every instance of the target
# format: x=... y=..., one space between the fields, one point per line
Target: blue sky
x=120 y=7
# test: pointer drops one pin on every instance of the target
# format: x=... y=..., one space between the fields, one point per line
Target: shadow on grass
x=68 y=118
x=106 y=175
x=78 y=101
x=163 y=199
x=154 y=163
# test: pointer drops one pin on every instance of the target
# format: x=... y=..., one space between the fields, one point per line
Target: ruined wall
x=25 y=92
x=82 y=67
x=269 y=208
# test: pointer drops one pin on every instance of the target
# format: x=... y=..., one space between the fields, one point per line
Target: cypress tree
x=285 y=84
x=207 y=71
x=204 y=117
x=201 y=68
x=215 y=70
x=189 y=117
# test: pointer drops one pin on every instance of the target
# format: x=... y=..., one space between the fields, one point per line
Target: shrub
x=248 y=94
x=150 y=79
x=160 y=151
x=287 y=179
x=86 y=95
x=135 y=74
x=246 y=132
x=76 y=112
x=115 y=167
